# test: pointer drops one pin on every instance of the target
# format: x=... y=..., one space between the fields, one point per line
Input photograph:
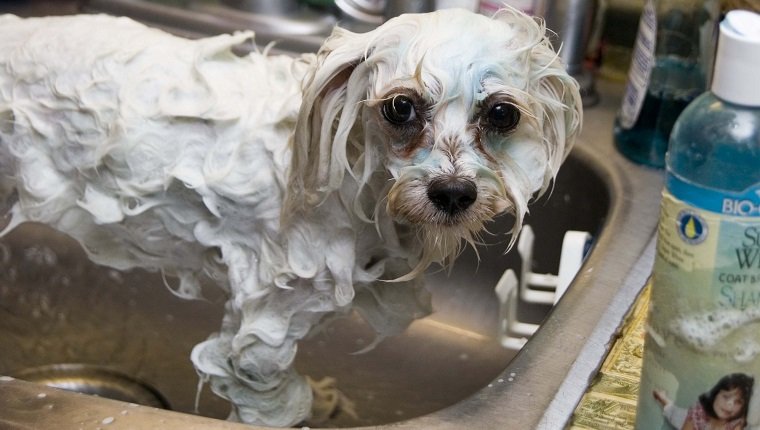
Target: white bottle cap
x=737 y=60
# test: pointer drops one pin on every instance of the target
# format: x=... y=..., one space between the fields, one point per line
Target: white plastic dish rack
x=532 y=287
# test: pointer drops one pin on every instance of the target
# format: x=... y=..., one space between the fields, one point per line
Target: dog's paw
x=328 y=401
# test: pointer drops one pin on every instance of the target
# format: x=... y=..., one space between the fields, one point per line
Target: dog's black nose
x=452 y=196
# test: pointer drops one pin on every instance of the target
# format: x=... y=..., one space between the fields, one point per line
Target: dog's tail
x=8 y=194
x=11 y=35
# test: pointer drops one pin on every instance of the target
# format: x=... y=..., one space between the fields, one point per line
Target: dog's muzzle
x=452 y=196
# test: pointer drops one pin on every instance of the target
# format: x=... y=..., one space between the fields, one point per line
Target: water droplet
x=107 y=420
x=41 y=395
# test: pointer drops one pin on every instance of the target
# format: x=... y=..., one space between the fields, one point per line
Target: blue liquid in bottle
x=668 y=70
x=673 y=84
x=715 y=148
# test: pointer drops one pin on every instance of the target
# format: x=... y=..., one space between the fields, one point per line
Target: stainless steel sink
x=68 y=323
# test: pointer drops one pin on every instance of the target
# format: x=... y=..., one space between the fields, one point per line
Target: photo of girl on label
x=724 y=407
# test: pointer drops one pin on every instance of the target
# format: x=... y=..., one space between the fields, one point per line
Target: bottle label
x=642 y=62
x=702 y=351
x=745 y=204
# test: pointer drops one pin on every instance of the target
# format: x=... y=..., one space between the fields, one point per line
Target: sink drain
x=95 y=380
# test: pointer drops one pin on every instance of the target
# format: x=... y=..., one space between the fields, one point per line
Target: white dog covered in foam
x=300 y=186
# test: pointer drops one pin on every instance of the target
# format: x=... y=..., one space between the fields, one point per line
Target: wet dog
x=303 y=187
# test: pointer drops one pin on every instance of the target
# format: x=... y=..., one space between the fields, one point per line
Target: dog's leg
x=250 y=362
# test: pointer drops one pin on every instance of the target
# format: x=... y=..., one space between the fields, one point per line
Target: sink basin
x=123 y=336
x=67 y=322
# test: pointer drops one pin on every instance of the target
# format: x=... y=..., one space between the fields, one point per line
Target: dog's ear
x=556 y=96
x=333 y=94
x=560 y=97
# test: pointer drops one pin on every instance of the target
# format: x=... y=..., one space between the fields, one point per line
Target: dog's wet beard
x=442 y=235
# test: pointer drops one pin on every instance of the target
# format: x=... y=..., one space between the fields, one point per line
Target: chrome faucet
x=264 y=7
x=572 y=21
x=398 y=7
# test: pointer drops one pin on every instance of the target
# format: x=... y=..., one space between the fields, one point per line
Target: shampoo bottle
x=701 y=364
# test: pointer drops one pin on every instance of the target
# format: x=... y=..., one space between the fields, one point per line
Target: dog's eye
x=503 y=116
x=399 y=110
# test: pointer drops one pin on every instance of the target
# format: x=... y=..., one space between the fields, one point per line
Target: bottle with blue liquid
x=670 y=67
x=701 y=366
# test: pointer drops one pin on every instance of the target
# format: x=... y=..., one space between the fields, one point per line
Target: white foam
x=705 y=331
